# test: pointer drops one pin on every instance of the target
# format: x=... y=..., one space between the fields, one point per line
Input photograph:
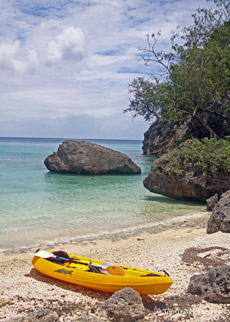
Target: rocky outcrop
x=191 y=185
x=124 y=306
x=192 y=171
x=213 y=286
x=220 y=217
x=81 y=157
x=163 y=135
x=158 y=138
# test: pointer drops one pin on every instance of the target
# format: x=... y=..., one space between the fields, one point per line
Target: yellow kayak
x=98 y=275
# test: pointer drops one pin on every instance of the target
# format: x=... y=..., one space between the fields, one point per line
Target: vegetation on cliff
x=204 y=156
x=194 y=79
x=196 y=170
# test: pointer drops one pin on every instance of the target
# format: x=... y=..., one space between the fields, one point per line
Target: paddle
x=111 y=269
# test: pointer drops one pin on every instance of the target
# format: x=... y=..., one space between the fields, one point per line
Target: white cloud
x=65 y=59
x=68 y=46
x=12 y=59
x=8 y=55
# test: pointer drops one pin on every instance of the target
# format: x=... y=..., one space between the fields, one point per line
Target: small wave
x=119 y=233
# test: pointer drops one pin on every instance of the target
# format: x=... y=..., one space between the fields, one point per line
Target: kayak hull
x=79 y=273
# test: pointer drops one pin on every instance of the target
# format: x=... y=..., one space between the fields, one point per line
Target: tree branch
x=215 y=113
x=208 y=128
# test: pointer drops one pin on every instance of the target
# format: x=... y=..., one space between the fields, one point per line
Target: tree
x=201 y=80
x=149 y=98
x=195 y=77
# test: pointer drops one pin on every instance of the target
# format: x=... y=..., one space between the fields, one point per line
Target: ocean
x=38 y=207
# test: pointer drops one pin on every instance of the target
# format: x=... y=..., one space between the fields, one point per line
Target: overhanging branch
x=214 y=113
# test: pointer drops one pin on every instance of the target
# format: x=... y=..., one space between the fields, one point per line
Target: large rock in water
x=220 y=217
x=81 y=157
x=213 y=286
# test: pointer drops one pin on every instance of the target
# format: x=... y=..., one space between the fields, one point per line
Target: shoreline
x=123 y=233
x=160 y=248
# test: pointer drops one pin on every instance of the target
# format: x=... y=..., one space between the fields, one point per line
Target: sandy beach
x=182 y=248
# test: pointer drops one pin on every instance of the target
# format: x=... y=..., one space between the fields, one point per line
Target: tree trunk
x=208 y=128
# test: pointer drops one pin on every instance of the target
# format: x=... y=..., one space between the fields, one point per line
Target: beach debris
x=87 y=318
x=45 y=315
x=139 y=239
x=214 y=286
x=205 y=258
x=4 y=300
x=124 y=306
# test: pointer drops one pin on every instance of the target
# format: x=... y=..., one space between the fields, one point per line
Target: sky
x=65 y=65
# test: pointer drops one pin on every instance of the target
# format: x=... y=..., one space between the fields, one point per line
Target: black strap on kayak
x=151 y=274
x=62 y=260
x=166 y=273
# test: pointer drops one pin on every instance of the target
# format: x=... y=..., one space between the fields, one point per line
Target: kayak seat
x=97 y=269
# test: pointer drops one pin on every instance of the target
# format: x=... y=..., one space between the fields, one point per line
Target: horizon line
x=65 y=138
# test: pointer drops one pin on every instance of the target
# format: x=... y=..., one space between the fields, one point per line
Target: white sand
x=25 y=290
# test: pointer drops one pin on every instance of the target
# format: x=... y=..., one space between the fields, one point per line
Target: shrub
x=204 y=155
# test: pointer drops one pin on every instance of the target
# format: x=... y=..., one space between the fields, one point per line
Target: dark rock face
x=124 y=306
x=158 y=138
x=213 y=286
x=82 y=157
x=162 y=136
x=192 y=185
x=220 y=217
x=212 y=201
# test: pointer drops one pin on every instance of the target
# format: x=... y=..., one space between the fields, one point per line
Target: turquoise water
x=37 y=206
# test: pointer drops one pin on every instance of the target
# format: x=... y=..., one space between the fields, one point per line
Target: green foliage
x=202 y=77
x=197 y=75
x=149 y=99
x=205 y=22
x=186 y=136
x=169 y=163
x=203 y=156
x=144 y=102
